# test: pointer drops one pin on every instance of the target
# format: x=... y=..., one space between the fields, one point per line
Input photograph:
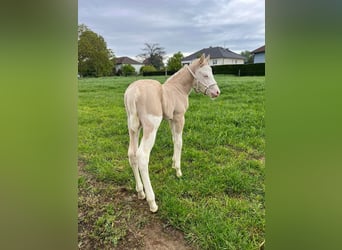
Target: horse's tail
x=131 y=110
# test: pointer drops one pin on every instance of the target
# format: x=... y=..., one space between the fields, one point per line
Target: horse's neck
x=175 y=93
x=181 y=81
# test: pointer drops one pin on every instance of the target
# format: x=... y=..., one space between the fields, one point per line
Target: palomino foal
x=147 y=102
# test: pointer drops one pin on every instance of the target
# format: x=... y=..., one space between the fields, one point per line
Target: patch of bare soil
x=112 y=217
x=156 y=238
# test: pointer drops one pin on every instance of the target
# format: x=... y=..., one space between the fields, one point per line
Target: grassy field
x=219 y=203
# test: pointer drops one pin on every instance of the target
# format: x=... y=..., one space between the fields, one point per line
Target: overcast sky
x=177 y=25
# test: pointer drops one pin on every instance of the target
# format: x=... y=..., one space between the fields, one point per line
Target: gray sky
x=177 y=25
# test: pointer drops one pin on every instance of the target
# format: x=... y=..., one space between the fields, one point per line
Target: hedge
x=257 y=69
x=158 y=73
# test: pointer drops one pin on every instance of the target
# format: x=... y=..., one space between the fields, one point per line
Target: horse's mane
x=179 y=72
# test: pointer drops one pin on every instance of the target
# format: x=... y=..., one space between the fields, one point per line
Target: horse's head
x=204 y=80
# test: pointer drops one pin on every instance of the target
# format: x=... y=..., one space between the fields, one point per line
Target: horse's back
x=145 y=96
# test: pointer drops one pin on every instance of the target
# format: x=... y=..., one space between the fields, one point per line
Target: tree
x=94 y=59
x=113 y=59
x=153 y=55
x=82 y=28
x=248 y=55
x=174 y=63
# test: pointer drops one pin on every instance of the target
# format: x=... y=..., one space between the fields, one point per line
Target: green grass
x=219 y=203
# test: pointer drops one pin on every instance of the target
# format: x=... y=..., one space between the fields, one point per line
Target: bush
x=147 y=68
x=128 y=70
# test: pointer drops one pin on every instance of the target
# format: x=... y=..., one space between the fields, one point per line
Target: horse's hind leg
x=132 y=156
x=177 y=125
x=150 y=127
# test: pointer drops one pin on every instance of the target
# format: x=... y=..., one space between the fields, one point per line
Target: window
x=214 y=61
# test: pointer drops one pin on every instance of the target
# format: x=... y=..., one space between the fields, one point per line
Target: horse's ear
x=202 y=58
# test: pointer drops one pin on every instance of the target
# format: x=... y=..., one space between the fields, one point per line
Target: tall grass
x=219 y=203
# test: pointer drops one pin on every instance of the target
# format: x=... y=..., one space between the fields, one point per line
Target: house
x=120 y=61
x=218 y=56
x=259 y=55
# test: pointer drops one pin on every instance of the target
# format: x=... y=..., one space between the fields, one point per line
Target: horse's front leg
x=177 y=125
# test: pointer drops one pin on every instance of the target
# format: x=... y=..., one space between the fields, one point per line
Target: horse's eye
x=205 y=75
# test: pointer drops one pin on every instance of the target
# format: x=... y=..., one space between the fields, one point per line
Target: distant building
x=259 y=55
x=120 y=61
x=218 y=56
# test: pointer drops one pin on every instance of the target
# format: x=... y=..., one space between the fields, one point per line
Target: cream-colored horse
x=147 y=102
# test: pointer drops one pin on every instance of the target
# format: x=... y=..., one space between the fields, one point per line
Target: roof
x=214 y=52
x=259 y=50
x=126 y=60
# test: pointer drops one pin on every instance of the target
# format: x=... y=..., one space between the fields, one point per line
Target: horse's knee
x=132 y=158
x=130 y=154
x=142 y=160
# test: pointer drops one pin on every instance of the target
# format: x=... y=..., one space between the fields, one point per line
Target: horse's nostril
x=215 y=94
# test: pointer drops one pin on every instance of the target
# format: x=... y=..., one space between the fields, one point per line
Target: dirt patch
x=156 y=238
x=112 y=217
x=155 y=235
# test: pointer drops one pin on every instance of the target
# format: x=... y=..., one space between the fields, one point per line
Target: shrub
x=128 y=70
x=147 y=68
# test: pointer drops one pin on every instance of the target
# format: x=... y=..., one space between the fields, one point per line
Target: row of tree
x=95 y=59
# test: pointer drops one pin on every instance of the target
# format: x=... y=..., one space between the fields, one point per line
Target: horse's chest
x=172 y=106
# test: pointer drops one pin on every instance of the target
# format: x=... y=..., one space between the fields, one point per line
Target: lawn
x=219 y=202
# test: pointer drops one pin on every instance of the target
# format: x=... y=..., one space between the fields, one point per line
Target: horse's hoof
x=154 y=209
x=179 y=173
x=141 y=195
x=153 y=206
